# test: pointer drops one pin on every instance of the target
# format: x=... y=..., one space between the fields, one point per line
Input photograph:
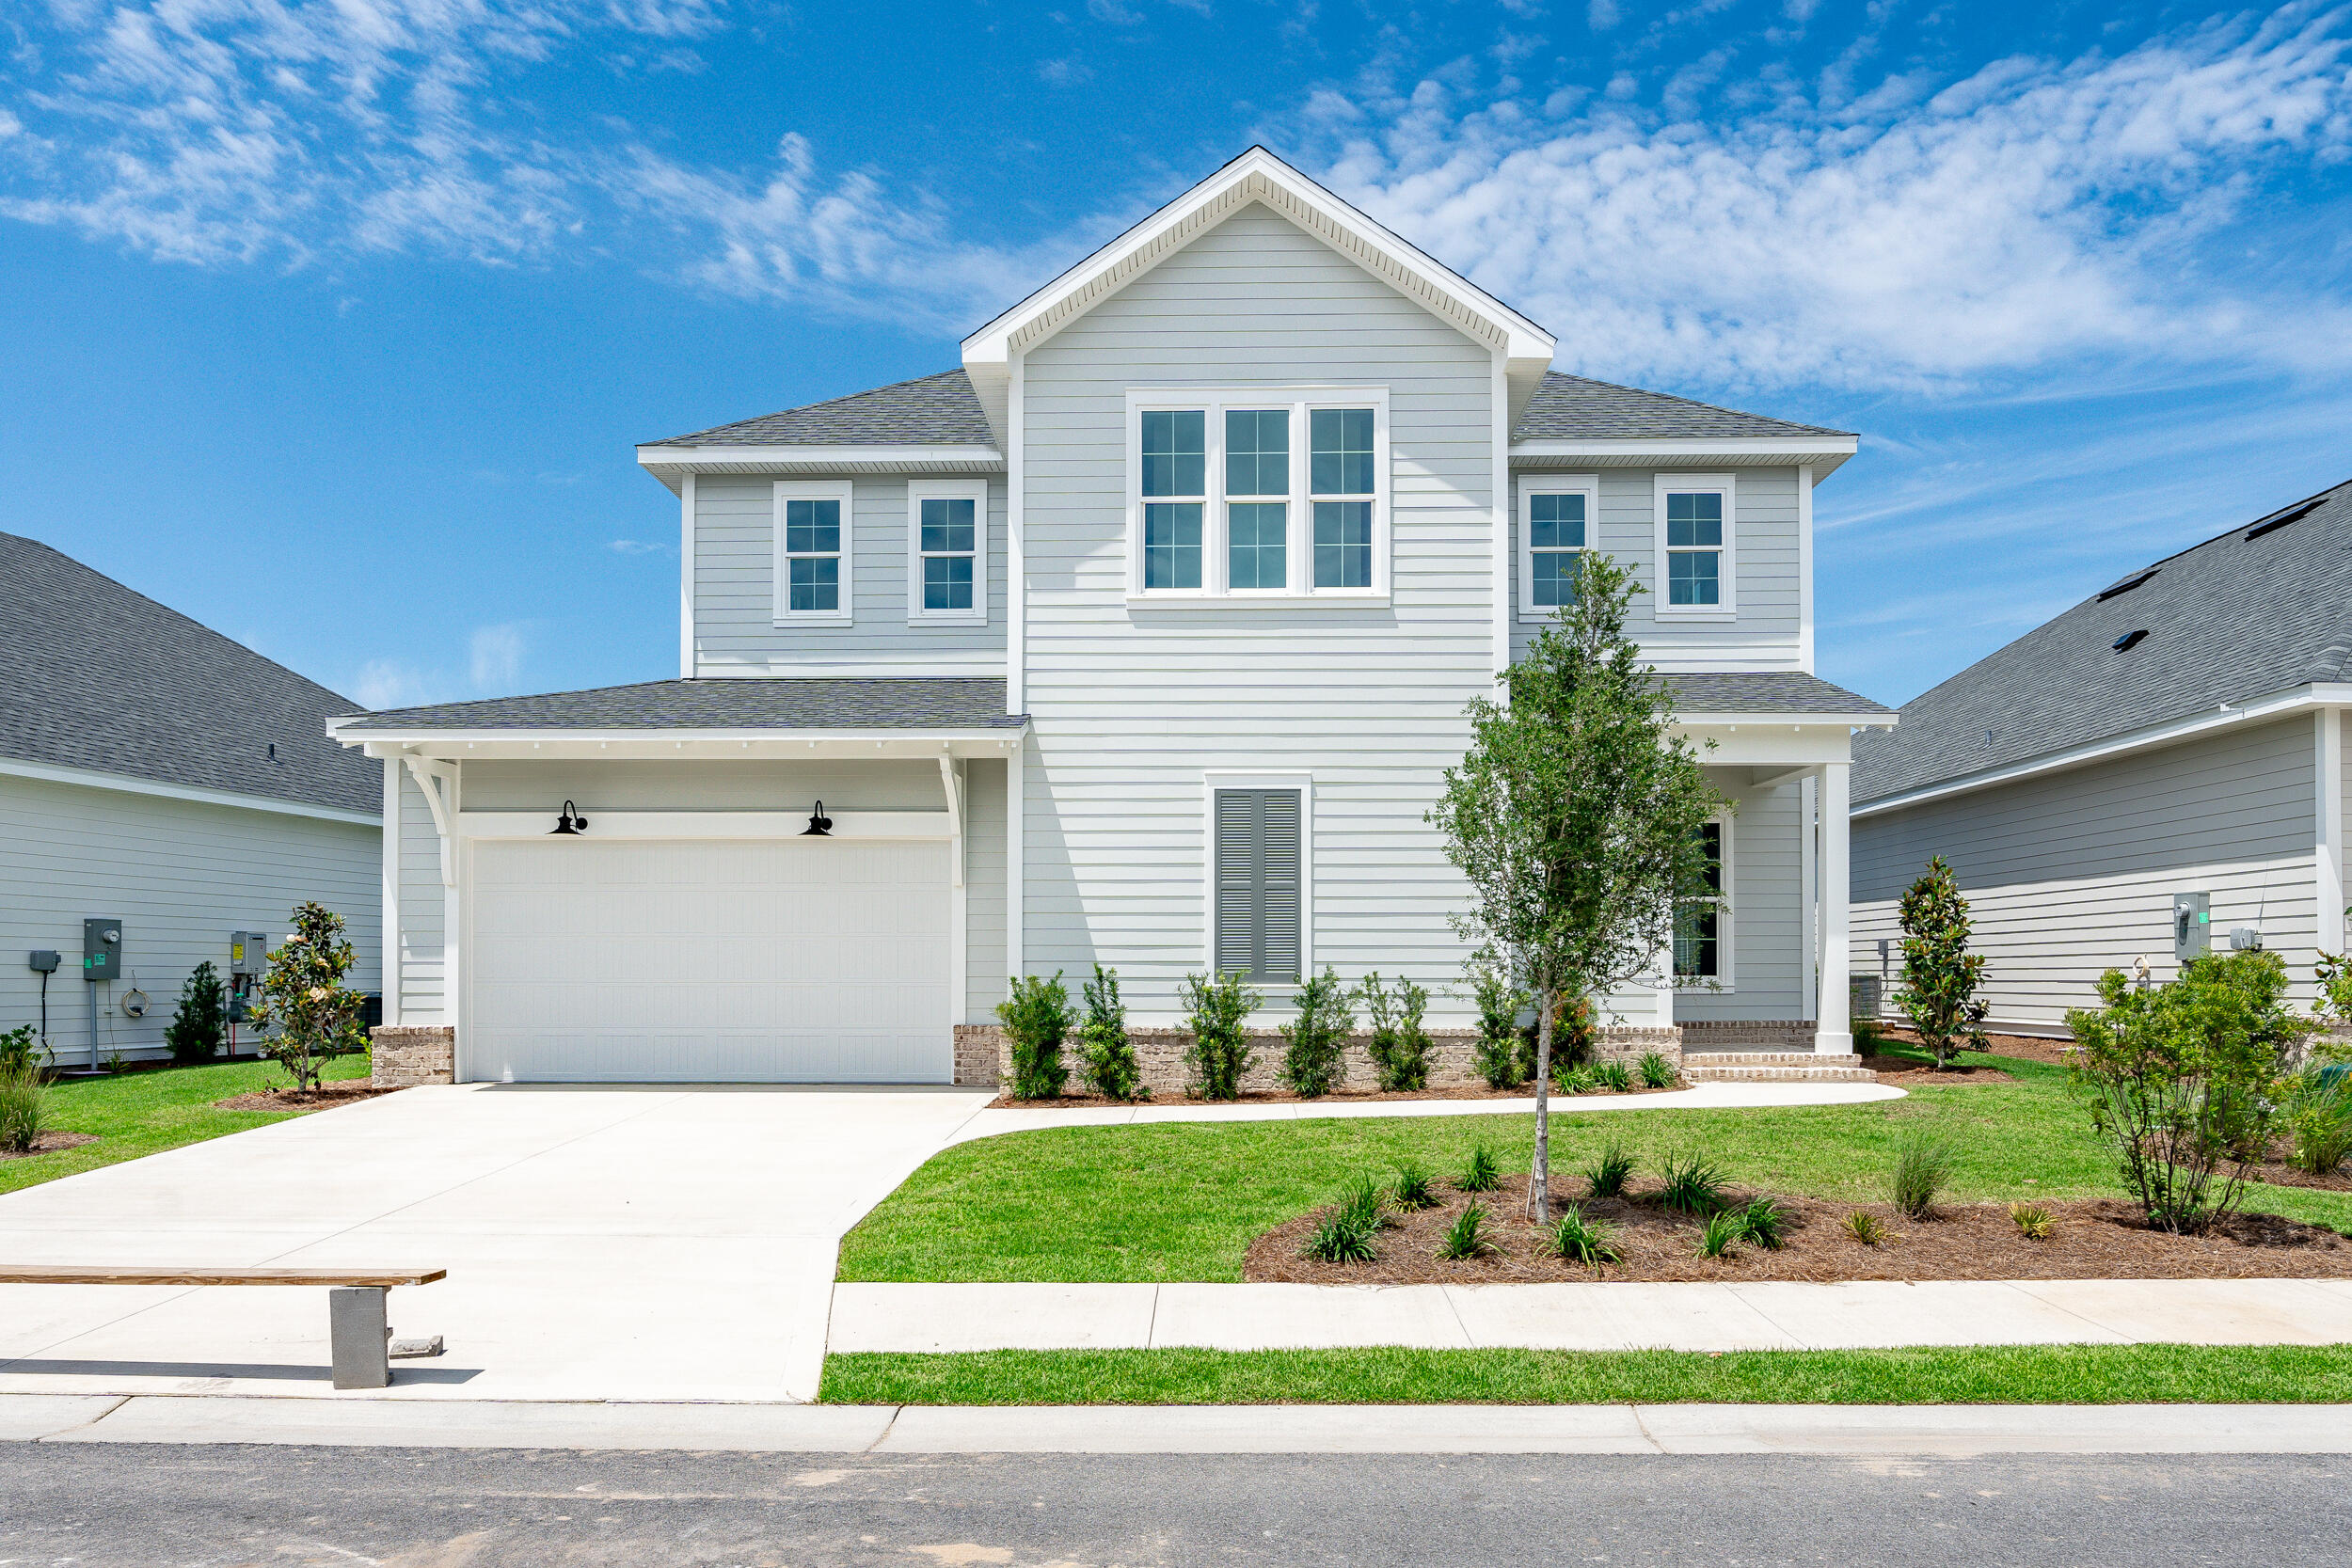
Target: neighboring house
x=1141 y=638
x=155 y=774
x=2177 y=737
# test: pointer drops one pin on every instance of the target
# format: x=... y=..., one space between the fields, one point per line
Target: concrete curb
x=1868 y=1430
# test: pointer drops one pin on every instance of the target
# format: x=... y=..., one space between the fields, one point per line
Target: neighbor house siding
x=1131 y=706
x=1768 y=911
x=735 y=630
x=1766 y=568
x=180 y=876
x=2072 y=873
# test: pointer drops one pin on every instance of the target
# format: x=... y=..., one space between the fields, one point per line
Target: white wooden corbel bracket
x=433 y=778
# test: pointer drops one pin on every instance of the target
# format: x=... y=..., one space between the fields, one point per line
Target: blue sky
x=333 y=324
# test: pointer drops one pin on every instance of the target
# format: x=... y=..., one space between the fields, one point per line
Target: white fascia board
x=1823 y=453
x=92 y=778
x=704 y=459
x=2276 y=705
x=579 y=743
x=1777 y=721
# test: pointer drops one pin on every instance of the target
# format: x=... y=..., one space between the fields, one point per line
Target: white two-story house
x=1140 y=637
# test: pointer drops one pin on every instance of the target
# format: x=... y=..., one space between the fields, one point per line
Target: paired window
x=1260 y=494
x=1696 y=529
x=947 y=551
x=1702 y=946
x=1258 y=877
x=1559 y=521
x=812 y=555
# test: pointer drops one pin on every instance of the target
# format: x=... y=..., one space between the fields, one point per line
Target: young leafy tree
x=1575 y=814
x=194 y=1032
x=1940 y=974
x=305 y=1013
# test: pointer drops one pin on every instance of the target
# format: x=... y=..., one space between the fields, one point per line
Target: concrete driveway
x=601 y=1242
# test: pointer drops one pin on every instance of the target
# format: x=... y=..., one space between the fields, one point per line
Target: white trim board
x=91 y=778
x=605 y=822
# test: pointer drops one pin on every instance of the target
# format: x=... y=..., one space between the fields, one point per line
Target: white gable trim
x=92 y=778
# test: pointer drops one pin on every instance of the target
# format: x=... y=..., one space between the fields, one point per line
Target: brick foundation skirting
x=1773 y=1034
x=984 y=1059
x=403 y=1057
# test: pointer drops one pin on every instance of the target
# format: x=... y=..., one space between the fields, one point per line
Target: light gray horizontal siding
x=984 y=889
x=735 y=630
x=2072 y=874
x=421 y=951
x=180 y=876
x=1131 y=706
x=1768 y=911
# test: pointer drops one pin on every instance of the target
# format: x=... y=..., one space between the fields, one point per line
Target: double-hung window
x=1266 y=492
x=1696 y=530
x=1702 y=921
x=1258 y=878
x=812 y=550
x=1559 y=521
x=947 y=551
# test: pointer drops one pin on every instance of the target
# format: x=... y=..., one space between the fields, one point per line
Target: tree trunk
x=1539 y=1177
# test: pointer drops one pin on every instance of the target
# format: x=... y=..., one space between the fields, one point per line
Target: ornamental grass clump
x=1415 y=1188
x=1866 y=1228
x=1582 y=1241
x=1037 y=1019
x=1218 y=1012
x=1923 y=1168
x=1694 y=1184
x=1765 y=1223
x=1341 y=1240
x=1656 y=1071
x=1363 y=1203
x=1105 y=1052
x=1399 y=1045
x=2033 y=1221
x=1314 y=1040
x=1614 y=1077
x=1608 y=1174
x=1466 y=1236
x=1724 y=1233
x=1482 y=1174
x=2317 y=1106
x=1498 y=1046
x=23 y=1105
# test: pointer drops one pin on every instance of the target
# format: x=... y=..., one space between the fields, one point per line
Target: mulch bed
x=1283 y=1096
x=2032 y=1048
x=2093 y=1238
x=46 y=1143
x=1906 y=1072
x=326 y=1097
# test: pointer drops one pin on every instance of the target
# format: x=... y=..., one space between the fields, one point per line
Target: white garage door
x=702 y=961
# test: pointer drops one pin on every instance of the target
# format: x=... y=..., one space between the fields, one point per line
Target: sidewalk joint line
x=1642 y=1426
x=888 y=1427
x=121 y=1400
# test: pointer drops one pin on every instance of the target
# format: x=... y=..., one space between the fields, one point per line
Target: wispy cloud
x=497 y=656
x=640 y=547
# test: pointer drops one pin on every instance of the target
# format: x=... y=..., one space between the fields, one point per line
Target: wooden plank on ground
x=106 y=1273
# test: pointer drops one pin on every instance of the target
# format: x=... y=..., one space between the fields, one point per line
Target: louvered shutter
x=1258 y=883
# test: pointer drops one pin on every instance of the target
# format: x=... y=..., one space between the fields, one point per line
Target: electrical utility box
x=102 y=949
x=44 y=960
x=248 y=952
x=2192 y=924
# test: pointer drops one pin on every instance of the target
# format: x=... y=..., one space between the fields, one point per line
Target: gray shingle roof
x=1568 y=407
x=1786 y=691
x=931 y=410
x=2226 y=620
x=745 y=702
x=93 y=675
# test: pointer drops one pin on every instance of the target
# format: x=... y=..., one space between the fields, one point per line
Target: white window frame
x=1728 y=572
x=1303 y=783
x=974 y=491
x=1720 y=982
x=812 y=490
x=1212 y=403
x=1587 y=485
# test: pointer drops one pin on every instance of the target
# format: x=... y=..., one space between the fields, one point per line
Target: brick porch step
x=1773 y=1067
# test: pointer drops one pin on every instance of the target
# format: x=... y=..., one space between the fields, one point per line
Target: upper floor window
x=947 y=551
x=1260 y=494
x=1559 y=521
x=812 y=550
x=1696 y=529
x=1702 y=934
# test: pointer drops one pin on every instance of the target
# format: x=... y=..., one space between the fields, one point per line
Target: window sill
x=946 y=620
x=1343 y=600
x=813 y=618
x=1662 y=614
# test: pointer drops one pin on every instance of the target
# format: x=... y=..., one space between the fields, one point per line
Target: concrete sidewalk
x=1868 y=1430
x=1766 y=1315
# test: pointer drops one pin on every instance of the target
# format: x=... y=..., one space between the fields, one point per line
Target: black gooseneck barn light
x=569 y=822
x=820 y=825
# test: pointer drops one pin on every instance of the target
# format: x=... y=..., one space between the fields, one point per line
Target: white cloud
x=389 y=683
x=497 y=656
x=639 y=546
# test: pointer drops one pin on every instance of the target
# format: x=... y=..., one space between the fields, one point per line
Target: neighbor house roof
x=1569 y=407
x=94 y=676
x=2265 y=607
x=1764 y=693
x=728 y=702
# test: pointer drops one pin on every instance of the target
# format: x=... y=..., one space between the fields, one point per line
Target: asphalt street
x=101 y=1505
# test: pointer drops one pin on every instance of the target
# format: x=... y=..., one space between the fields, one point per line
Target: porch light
x=569 y=821
x=820 y=825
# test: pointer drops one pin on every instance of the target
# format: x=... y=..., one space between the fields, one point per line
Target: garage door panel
x=710 y=960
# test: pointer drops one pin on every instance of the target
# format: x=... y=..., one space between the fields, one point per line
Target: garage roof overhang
x=697 y=745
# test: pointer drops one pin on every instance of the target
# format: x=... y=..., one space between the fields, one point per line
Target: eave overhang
x=1823 y=452
x=671 y=463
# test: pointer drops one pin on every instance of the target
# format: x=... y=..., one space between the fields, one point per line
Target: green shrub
x=1940 y=974
x=1608 y=1174
x=1415 y=1187
x=1656 y=1072
x=1765 y=1223
x=1923 y=1167
x=1498 y=1048
x=1340 y=1239
x=21 y=1047
x=2318 y=1111
x=1582 y=1241
x=1866 y=1228
x=1482 y=1174
x=1399 y=1046
x=1466 y=1236
x=1613 y=1076
x=1037 y=1019
x=1575 y=1035
x=1694 y=1184
x=1107 y=1055
x=1365 y=1204
x=2033 y=1221
x=1724 y=1231
x=2180 y=1079
x=1218 y=1012
x=23 y=1101
x=304 y=1013
x=1315 y=1041
x=194 y=1031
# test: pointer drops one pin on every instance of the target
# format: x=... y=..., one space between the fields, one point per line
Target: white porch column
x=2327 y=891
x=1832 y=1034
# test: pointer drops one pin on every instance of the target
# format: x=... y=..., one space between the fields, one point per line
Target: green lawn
x=2009 y=1374
x=141 y=1113
x=1183 y=1200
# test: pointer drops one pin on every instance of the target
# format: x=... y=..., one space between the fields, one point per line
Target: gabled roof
x=2263 y=608
x=931 y=410
x=1570 y=407
x=730 y=703
x=94 y=676
x=1764 y=693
